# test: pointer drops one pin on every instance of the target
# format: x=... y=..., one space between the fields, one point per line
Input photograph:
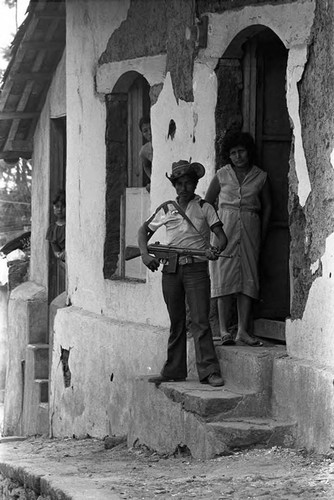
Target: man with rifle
x=188 y=222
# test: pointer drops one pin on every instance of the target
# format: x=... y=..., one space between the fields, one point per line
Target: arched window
x=127 y=199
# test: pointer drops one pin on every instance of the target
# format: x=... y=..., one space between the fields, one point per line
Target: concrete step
x=236 y=434
x=243 y=367
x=43 y=388
x=36 y=373
x=214 y=403
x=43 y=419
x=247 y=367
x=209 y=421
x=37 y=356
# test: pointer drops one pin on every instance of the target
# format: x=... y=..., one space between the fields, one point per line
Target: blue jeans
x=191 y=281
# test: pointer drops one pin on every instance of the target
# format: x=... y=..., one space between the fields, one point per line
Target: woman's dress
x=239 y=208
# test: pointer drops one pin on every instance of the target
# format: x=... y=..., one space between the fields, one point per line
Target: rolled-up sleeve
x=156 y=220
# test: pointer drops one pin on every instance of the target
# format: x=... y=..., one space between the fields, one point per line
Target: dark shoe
x=214 y=380
x=227 y=340
x=158 y=379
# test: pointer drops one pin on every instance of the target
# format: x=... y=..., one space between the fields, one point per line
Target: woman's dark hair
x=234 y=139
x=144 y=119
x=60 y=196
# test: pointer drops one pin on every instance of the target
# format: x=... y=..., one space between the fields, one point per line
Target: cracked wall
x=312 y=224
x=155 y=27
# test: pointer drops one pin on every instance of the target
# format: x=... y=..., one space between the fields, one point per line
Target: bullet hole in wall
x=64 y=356
x=171 y=129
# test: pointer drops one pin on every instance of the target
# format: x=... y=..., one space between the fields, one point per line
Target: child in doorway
x=56 y=232
x=146 y=151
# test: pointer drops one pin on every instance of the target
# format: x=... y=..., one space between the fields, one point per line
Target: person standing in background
x=244 y=207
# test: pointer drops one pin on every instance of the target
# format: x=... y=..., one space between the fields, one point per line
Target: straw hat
x=183 y=167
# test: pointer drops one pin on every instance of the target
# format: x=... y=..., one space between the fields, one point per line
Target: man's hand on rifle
x=212 y=253
x=151 y=262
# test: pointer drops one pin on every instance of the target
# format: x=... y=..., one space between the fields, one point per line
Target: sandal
x=252 y=342
x=227 y=340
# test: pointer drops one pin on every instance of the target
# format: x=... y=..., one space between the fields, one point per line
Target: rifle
x=165 y=252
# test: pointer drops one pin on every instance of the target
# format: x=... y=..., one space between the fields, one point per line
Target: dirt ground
x=85 y=469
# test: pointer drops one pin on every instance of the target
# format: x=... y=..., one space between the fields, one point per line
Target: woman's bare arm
x=213 y=191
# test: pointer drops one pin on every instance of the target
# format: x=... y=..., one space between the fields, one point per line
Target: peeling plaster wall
x=120 y=315
x=86 y=165
x=195 y=134
x=311 y=331
x=155 y=27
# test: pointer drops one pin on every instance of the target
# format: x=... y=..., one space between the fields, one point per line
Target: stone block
x=303 y=391
x=249 y=368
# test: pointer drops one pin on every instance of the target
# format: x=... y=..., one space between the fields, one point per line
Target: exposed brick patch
x=156 y=27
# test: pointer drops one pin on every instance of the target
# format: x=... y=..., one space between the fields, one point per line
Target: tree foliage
x=15 y=198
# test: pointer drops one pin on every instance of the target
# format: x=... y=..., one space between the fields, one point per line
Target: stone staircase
x=212 y=421
x=36 y=388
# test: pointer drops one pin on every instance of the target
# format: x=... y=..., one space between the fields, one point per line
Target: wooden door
x=266 y=117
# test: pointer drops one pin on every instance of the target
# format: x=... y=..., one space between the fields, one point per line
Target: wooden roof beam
x=18 y=115
x=34 y=75
x=42 y=45
x=14 y=155
x=18 y=145
x=50 y=15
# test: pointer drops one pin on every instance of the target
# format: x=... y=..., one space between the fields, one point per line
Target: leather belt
x=186 y=259
x=189 y=259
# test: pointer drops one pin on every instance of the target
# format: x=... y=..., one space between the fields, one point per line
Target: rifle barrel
x=131 y=252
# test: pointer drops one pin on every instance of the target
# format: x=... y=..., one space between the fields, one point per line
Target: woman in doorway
x=244 y=207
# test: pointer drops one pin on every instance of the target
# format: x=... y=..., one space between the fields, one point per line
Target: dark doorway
x=266 y=117
x=252 y=96
x=57 y=271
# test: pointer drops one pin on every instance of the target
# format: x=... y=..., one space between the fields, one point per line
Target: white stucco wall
x=105 y=356
x=86 y=126
x=128 y=321
x=312 y=336
x=54 y=107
